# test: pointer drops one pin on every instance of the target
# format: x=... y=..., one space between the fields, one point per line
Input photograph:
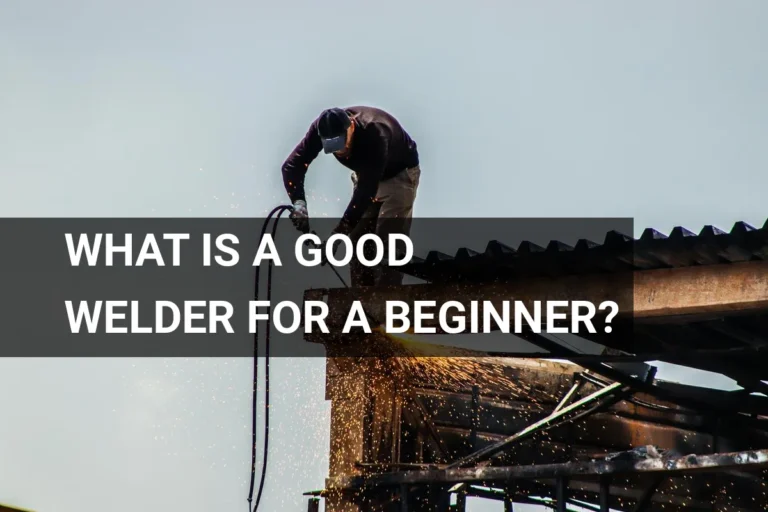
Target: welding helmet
x=332 y=128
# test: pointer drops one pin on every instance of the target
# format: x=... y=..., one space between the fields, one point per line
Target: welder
x=385 y=171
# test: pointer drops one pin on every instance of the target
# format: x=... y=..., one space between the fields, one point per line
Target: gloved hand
x=300 y=216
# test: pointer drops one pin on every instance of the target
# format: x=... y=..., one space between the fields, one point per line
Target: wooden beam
x=645 y=294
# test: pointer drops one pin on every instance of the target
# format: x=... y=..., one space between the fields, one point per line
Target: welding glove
x=300 y=215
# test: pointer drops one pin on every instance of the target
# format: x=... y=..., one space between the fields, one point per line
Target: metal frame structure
x=601 y=432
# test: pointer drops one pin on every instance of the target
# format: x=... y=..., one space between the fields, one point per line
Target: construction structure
x=600 y=432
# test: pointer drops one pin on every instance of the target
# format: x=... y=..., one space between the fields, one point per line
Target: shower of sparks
x=406 y=360
x=400 y=362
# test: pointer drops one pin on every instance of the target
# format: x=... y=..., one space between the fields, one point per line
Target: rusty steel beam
x=552 y=420
x=528 y=370
x=746 y=460
x=428 y=425
x=662 y=392
x=656 y=293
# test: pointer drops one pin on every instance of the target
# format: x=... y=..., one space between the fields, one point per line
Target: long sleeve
x=365 y=192
x=296 y=165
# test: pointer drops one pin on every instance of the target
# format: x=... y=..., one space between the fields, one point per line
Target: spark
x=408 y=359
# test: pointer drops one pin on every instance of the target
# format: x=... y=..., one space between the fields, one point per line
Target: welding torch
x=308 y=243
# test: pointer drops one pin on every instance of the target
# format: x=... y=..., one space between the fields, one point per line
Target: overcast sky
x=654 y=110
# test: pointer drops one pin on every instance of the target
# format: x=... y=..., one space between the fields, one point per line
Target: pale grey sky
x=654 y=110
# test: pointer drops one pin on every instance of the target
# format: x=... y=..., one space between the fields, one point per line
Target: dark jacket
x=380 y=149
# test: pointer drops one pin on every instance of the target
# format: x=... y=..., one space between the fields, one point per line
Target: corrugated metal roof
x=742 y=338
x=653 y=250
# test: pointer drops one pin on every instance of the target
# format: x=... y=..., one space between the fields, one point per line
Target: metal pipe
x=546 y=422
x=574 y=389
x=561 y=494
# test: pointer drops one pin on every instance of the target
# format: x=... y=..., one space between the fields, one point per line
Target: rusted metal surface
x=548 y=386
x=712 y=317
x=748 y=460
x=541 y=450
x=417 y=416
x=654 y=293
x=542 y=425
x=686 y=395
x=523 y=392
x=608 y=430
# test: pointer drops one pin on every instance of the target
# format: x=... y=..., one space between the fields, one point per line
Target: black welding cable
x=256 y=371
x=279 y=210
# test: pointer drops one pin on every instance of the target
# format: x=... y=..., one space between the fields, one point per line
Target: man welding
x=384 y=161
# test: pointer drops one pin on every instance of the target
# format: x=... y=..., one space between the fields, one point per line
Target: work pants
x=391 y=212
